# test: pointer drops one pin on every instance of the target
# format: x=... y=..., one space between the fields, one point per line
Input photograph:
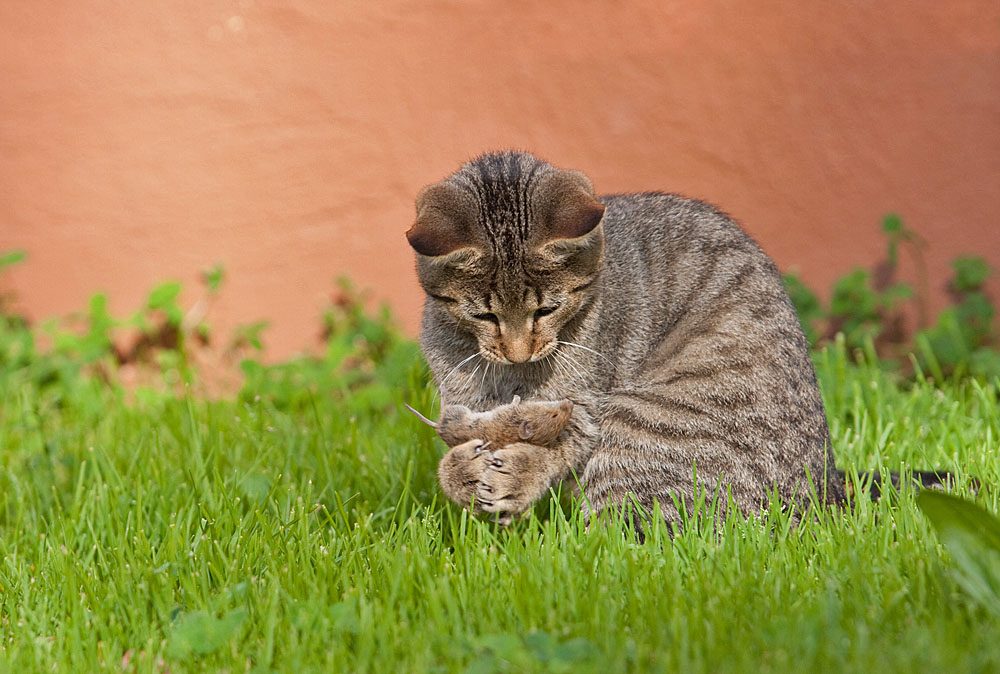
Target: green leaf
x=975 y=313
x=896 y=293
x=541 y=644
x=985 y=363
x=213 y=278
x=10 y=258
x=344 y=616
x=574 y=650
x=806 y=304
x=971 y=272
x=201 y=633
x=163 y=295
x=164 y=298
x=972 y=536
x=892 y=223
x=249 y=334
x=502 y=644
x=547 y=648
x=853 y=296
x=255 y=486
x=98 y=315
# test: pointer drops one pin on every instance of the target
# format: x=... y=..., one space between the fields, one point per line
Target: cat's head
x=510 y=247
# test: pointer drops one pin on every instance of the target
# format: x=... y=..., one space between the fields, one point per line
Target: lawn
x=299 y=527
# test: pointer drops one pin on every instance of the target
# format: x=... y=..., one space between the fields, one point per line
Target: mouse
x=538 y=422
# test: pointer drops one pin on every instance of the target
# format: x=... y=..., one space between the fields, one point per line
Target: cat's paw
x=460 y=470
x=514 y=478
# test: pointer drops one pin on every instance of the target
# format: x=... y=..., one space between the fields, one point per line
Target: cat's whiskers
x=472 y=377
x=455 y=369
x=494 y=375
x=572 y=370
x=545 y=351
x=587 y=348
x=573 y=360
x=482 y=382
x=558 y=364
x=569 y=363
x=551 y=363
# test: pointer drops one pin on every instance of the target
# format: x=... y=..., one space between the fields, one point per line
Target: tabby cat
x=656 y=315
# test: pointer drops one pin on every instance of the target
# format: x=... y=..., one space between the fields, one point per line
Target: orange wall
x=142 y=140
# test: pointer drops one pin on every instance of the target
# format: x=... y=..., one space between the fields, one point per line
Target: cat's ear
x=569 y=237
x=445 y=221
x=566 y=206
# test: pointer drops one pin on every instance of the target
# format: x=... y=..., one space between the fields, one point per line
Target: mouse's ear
x=526 y=430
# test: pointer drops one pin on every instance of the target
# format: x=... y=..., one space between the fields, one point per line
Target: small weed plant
x=871 y=309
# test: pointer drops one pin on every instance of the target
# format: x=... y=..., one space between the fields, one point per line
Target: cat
x=661 y=320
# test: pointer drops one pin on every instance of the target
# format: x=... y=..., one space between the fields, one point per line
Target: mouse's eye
x=545 y=311
x=492 y=318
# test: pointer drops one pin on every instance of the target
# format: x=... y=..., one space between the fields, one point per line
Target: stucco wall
x=142 y=140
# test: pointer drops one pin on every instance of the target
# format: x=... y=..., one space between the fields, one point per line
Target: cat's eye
x=545 y=311
x=492 y=318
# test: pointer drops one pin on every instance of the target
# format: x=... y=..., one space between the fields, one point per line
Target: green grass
x=196 y=535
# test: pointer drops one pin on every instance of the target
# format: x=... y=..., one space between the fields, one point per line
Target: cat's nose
x=516 y=340
x=517 y=351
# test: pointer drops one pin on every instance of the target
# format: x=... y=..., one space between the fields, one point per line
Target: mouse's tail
x=422 y=417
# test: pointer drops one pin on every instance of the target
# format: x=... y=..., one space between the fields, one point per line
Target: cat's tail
x=873 y=483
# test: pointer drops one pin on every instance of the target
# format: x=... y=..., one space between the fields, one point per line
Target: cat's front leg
x=516 y=476
x=521 y=473
x=460 y=470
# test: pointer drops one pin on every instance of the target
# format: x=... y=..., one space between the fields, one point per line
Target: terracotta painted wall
x=143 y=140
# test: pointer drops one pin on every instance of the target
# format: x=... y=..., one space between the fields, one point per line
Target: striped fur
x=665 y=324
